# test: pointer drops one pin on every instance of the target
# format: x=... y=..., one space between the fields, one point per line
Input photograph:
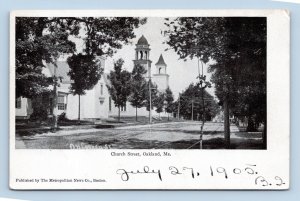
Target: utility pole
x=203 y=85
x=150 y=101
x=203 y=114
x=178 y=109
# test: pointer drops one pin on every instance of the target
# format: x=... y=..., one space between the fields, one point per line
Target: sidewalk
x=77 y=129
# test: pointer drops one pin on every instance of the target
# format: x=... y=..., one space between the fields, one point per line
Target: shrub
x=40 y=112
x=62 y=117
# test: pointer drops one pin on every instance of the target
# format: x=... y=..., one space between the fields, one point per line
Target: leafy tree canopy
x=85 y=71
x=139 y=86
x=120 y=84
x=193 y=95
x=159 y=102
x=45 y=39
x=169 y=100
x=237 y=45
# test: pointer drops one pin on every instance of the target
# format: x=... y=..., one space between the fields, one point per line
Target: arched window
x=159 y=70
x=146 y=55
x=141 y=55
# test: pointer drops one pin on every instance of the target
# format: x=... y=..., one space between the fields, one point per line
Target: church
x=97 y=104
x=160 y=78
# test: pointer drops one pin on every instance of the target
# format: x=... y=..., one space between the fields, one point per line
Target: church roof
x=142 y=41
x=161 y=61
x=63 y=69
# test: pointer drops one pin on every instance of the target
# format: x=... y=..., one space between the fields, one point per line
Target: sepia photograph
x=140 y=83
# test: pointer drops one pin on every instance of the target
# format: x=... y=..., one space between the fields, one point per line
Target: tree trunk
x=55 y=125
x=192 y=117
x=54 y=102
x=178 y=109
x=251 y=124
x=119 y=114
x=264 y=135
x=226 y=124
x=78 y=109
x=150 y=116
x=135 y=113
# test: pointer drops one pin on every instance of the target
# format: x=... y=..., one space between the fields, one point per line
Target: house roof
x=61 y=70
x=161 y=61
x=142 y=41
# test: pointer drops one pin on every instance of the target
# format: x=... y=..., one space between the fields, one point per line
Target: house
x=23 y=108
x=93 y=105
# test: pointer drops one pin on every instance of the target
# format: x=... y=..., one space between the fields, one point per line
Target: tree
x=191 y=104
x=244 y=68
x=159 y=102
x=45 y=39
x=154 y=93
x=33 y=46
x=85 y=71
x=139 y=88
x=238 y=48
x=120 y=85
x=150 y=86
x=41 y=40
x=169 y=101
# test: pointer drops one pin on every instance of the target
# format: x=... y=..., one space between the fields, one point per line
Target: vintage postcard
x=149 y=99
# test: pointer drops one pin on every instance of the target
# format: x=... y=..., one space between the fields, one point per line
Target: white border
x=99 y=164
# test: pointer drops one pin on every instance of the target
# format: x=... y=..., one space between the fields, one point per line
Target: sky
x=181 y=72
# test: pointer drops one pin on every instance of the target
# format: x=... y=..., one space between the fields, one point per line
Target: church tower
x=161 y=78
x=142 y=53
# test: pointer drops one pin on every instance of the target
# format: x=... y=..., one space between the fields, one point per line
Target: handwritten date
x=211 y=171
x=146 y=170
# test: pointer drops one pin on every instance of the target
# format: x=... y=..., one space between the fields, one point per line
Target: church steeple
x=142 y=49
x=161 y=78
x=161 y=66
x=161 y=61
x=142 y=41
x=142 y=54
